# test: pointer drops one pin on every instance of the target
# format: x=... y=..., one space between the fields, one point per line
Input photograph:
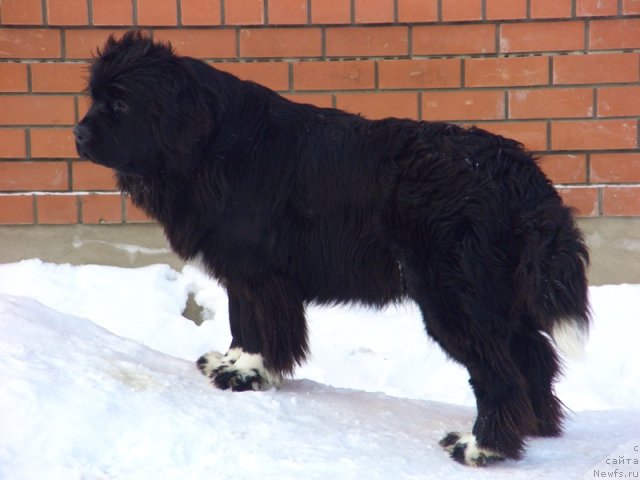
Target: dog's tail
x=550 y=277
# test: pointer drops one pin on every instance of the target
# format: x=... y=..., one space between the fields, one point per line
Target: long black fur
x=289 y=204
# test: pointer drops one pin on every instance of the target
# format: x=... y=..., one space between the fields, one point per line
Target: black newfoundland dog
x=287 y=204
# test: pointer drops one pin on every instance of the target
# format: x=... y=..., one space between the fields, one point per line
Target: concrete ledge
x=614 y=244
x=117 y=245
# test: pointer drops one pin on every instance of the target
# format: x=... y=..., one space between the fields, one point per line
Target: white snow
x=98 y=381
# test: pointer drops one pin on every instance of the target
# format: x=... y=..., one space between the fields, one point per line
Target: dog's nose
x=82 y=133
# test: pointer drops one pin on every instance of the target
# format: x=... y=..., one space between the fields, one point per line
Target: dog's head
x=145 y=114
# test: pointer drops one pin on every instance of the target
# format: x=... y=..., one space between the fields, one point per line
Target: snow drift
x=98 y=382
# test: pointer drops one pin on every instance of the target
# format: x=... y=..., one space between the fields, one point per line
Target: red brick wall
x=562 y=76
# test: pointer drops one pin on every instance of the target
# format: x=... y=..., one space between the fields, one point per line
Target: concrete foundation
x=614 y=244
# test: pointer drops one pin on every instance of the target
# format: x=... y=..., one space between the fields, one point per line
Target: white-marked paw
x=238 y=371
x=463 y=448
x=212 y=361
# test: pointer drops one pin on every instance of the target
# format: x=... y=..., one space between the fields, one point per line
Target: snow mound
x=98 y=382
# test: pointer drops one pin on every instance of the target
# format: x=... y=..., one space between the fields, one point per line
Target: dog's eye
x=120 y=106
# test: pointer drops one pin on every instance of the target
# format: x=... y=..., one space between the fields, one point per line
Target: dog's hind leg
x=505 y=414
x=269 y=333
x=539 y=363
x=474 y=333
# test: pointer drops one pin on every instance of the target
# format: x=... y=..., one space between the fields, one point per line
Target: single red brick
x=288 y=12
x=570 y=168
x=84 y=43
x=454 y=39
x=52 y=143
x=21 y=12
x=347 y=75
x=630 y=7
x=331 y=11
x=374 y=11
x=157 y=12
x=84 y=102
x=621 y=201
x=460 y=10
x=318 y=99
x=413 y=11
x=509 y=71
x=366 y=41
x=274 y=75
x=506 y=9
x=533 y=135
x=101 y=208
x=29 y=43
x=12 y=143
x=13 y=77
x=25 y=176
x=596 y=68
x=596 y=8
x=244 y=12
x=115 y=12
x=594 y=135
x=547 y=9
x=88 y=176
x=583 y=199
x=615 y=167
x=614 y=34
x=280 y=42
x=57 y=209
x=619 y=101
x=206 y=43
x=201 y=12
x=16 y=209
x=432 y=73
x=541 y=37
x=59 y=77
x=380 y=104
x=134 y=214
x=551 y=103
x=67 y=12
x=36 y=110
x=463 y=105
